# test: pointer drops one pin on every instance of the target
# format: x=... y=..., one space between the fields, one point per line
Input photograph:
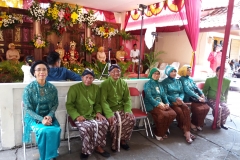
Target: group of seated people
x=99 y=109
x=94 y=109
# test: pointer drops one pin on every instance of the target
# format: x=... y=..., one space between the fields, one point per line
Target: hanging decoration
x=148 y=13
x=9 y=20
x=173 y=5
x=105 y=31
x=135 y=14
x=157 y=8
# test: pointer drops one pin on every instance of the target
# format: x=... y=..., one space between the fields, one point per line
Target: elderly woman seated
x=157 y=104
x=193 y=94
x=101 y=56
x=40 y=100
x=175 y=94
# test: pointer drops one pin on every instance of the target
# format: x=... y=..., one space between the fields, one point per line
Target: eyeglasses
x=41 y=69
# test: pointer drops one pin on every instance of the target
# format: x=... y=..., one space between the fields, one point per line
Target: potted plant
x=126 y=36
x=124 y=68
x=10 y=71
x=151 y=59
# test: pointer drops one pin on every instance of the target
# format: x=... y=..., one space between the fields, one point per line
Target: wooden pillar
x=88 y=34
x=36 y=31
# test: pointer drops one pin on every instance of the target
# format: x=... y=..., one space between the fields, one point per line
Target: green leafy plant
x=151 y=59
x=124 y=68
x=10 y=71
x=126 y=36
x=77 y=68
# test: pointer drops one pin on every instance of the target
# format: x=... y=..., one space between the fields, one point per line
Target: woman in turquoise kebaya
x=40 y=100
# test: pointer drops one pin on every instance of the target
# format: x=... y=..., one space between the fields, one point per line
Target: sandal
x=165 y=136
x=159 y=138
x=189 y=141
x=192 y=136
x=199 y=128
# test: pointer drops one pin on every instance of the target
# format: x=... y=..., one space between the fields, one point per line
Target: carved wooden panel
x=20 y=35
x=74 y=33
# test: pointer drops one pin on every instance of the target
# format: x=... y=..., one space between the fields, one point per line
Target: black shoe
x=222 y=126
x=125 y=146
x=84 y=156
x=104 y=154
x=113 y=150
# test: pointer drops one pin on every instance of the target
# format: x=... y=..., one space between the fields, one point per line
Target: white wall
x=176 y=47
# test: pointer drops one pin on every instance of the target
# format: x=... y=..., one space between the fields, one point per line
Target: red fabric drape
x=109 y=16
x=127 y=16
x=193 y=9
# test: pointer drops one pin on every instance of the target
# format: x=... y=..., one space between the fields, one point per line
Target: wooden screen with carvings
x=20 y=35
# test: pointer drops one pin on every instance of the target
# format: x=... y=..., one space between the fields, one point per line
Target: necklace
x=41 y=90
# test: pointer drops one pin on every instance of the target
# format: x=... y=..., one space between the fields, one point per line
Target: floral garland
x=89 y=18
x=64 y=15
x=89 y=46
x=38 y=42
x=105 y=31
x=8 y=20
x=36 y=11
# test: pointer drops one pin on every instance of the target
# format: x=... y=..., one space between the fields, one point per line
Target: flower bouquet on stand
x=38 y=42
x=89 y=46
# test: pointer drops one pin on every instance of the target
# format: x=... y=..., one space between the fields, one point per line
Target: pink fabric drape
x=224 y=53
x=193 y=9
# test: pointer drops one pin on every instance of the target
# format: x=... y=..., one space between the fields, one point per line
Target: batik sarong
x=162 y=120
x=223 y=111
x=199 y=112
x=93 y=134
x=121 y=129
x=183 y=116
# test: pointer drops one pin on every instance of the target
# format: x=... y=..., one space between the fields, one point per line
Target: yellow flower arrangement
x=105 y=31
x=53 y=12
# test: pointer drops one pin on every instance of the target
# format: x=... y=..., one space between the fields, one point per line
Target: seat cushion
x=138 y=113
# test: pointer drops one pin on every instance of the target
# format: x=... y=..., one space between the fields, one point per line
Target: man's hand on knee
x=111 y=120
x=80 y=119
x=129 y=115
x=100 y=117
